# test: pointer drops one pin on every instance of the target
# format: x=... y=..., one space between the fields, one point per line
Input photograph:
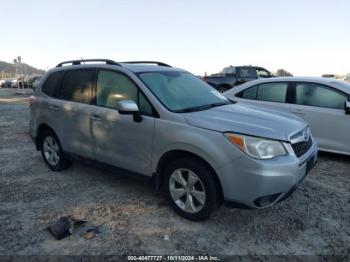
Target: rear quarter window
x=249 y=93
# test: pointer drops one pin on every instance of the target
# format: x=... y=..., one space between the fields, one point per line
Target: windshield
x=181 y=91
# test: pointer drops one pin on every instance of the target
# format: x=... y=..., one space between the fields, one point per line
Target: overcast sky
x=302 y=36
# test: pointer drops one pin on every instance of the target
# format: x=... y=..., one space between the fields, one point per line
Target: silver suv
x=162 y=122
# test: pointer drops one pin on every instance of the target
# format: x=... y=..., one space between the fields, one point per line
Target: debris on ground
x=90 y=233
x=166 y=237
x=64 y=226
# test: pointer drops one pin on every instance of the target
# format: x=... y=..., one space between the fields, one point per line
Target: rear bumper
x=261 y=183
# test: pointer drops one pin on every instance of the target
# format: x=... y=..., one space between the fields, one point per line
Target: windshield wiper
x=203 y=107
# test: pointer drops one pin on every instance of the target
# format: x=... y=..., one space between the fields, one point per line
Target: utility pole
x=19 y=74
x=16 y=65
x=19 y=58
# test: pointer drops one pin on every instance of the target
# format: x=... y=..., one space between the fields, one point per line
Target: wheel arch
x=39 y=133
x=171 y=155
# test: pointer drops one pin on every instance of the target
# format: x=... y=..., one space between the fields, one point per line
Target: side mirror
x=347 y=107
x=129 y=107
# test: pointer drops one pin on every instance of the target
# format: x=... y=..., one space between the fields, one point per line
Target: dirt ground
x=134 y=219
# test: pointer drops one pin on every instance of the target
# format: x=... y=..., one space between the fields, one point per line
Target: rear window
x=312 y=94
x=77 y=86
x=52 y=82
x=247 y=72
x=270 y=92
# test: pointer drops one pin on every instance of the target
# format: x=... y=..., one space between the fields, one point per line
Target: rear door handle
x=95 y=117
x=53 y=108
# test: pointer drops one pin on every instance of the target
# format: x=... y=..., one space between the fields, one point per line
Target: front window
x=113 y=87
x=181 y=91
x=272 y=92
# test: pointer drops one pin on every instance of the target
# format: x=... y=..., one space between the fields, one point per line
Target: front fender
x=209 y=145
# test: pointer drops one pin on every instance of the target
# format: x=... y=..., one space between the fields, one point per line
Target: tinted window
x=249 y=93
x=77 y=86
x=113 y=87
x=229 y=70
x=248 y=72
x=272 y=92
x=52 y=82
x=317 y=95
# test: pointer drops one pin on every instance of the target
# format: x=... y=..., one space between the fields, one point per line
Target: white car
x=14 y=83
x=322 y=102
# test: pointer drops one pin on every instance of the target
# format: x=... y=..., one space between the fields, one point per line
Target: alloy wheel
x=51 y=150
x=187 y=190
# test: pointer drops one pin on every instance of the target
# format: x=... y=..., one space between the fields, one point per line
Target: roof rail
x=78 y=62
x=147 y=62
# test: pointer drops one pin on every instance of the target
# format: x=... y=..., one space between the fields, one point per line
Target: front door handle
x=95 y=117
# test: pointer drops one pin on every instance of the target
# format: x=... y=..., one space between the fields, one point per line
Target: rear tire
x=190 y=187
x=52 y=152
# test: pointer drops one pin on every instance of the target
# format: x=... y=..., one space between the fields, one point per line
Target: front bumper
x=261 y=183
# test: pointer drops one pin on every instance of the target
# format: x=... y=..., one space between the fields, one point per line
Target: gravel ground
x=134 y=219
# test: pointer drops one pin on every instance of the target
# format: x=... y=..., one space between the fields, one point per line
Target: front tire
x=52 y=152
x=191 y=189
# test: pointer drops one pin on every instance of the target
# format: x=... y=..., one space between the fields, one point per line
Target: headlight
x=259 y=148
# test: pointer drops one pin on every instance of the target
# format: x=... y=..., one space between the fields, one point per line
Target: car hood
x=250 y=120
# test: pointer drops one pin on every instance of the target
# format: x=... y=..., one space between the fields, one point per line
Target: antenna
x=82 y=60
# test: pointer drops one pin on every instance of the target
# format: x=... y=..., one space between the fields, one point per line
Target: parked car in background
x=21 y=82
x=6 y=83
x=329 y=76
x=165 y=123
x=14 y=83
x=33 y=80
x=322 y=102
x=235 y=75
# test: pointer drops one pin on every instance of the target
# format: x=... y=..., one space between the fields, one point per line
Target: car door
x=72 y=108
x=118 y=139
x=272 y=95
x=323 y=108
